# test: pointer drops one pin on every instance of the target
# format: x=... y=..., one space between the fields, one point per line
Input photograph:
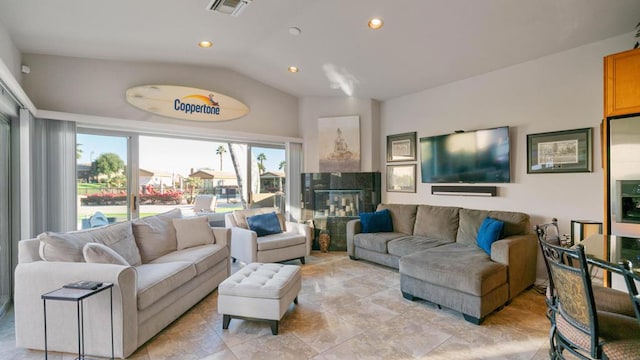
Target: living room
x=557 y=86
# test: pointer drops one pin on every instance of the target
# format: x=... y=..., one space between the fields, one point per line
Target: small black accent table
x=77 y=295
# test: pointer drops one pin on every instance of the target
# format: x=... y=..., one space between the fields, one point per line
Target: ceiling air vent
x=230 y=7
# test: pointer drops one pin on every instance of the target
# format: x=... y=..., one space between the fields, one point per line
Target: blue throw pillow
x=491 y=230
x=264 y=224
x=379 y=221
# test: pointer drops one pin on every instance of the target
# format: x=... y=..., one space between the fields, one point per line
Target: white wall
x=312 y=108
x=97 y=87
x=558 y=92
x=9 y=53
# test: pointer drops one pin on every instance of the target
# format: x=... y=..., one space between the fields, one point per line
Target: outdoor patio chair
x=204 y=203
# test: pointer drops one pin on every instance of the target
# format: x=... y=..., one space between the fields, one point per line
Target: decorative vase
x=324 y=240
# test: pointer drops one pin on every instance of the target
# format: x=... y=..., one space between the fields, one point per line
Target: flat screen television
x=480 y=156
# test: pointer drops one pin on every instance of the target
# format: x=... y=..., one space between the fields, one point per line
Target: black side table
x=77 y=295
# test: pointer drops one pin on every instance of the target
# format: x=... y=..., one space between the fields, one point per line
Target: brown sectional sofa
x=435 y=250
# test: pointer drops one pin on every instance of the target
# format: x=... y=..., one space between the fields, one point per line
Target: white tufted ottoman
x=259 y=291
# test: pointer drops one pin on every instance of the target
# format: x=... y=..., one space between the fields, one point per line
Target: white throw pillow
x=102 y=254
x=155 y=235
x=68 y=246
x=193 y=231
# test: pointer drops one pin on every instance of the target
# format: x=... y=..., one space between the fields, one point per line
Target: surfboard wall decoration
x=181 y=102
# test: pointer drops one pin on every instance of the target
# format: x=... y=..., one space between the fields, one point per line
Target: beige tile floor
x=347 y=310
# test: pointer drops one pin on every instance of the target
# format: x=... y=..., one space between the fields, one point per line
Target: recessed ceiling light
x=295 y=31
x=375 y=23
x=292 y=69
x=205 y=44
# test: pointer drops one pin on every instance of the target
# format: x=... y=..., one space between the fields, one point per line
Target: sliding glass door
x=103 y=178
x=268 y=176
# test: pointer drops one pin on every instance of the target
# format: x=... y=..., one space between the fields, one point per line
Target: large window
x=163 y=173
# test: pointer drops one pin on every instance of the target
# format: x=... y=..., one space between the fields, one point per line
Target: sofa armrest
x=244 y=244
x=353 y=227
x=222 y=235
x=37 y=278
x=302 y=229
x=519 y=253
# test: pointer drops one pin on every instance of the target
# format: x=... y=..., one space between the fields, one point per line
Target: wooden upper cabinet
x=622 y=83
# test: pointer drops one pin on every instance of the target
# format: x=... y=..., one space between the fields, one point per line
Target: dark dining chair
x=577 y=326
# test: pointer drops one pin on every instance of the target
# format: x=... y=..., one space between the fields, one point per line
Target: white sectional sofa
x=160 y=267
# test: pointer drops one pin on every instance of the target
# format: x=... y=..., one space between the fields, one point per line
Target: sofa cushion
x=102 y=254
x=379 y=221
x=403 y=217
x=456 y=266
x=410 y=244
x=155 y=235
x=264 y=224
x=68 y=246
x=157 y=280
x=470 y=220
x=437 y=222
x=192 y=231
x=204 y=256
x=515 y=223
x=490 y=231
x=282 y=240
x=376 y=241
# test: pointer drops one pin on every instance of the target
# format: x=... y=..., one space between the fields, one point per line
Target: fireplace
x=330 y=200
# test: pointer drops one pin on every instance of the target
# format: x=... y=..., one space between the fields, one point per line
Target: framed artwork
x=339 y=144
x=401 y=147
x=401 y=178
x=560 y=151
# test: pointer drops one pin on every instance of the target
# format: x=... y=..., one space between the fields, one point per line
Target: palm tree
x=219 y=151
x=261 y=158
x=283 y=165
x=78 y=151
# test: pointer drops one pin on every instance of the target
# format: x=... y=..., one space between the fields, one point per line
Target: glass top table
x=614 y=249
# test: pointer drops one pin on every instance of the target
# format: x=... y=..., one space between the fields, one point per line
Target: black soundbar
x=464 y=190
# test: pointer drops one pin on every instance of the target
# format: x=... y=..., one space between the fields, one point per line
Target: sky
x=171 y=155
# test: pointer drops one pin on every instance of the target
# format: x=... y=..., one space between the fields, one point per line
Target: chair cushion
x=490 y=231
x=617 y=344
x=192 y=231
x=279 y=241
x=240 y=216
x=204 y=256
x=68 y=246
x=456 y=266
x=155 y=235
x=264 y=224
x=157 y=280
x=374 y=222
x=102 y=254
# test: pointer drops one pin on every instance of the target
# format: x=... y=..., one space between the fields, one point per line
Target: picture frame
x=401 y=147
x=401 y=178
x=560 y=151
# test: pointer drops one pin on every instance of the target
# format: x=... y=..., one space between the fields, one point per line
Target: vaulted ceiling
x=423 y=43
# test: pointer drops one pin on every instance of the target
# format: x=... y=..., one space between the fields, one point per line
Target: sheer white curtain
x=5 y=214
x=53 y=175
x=294 y=173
